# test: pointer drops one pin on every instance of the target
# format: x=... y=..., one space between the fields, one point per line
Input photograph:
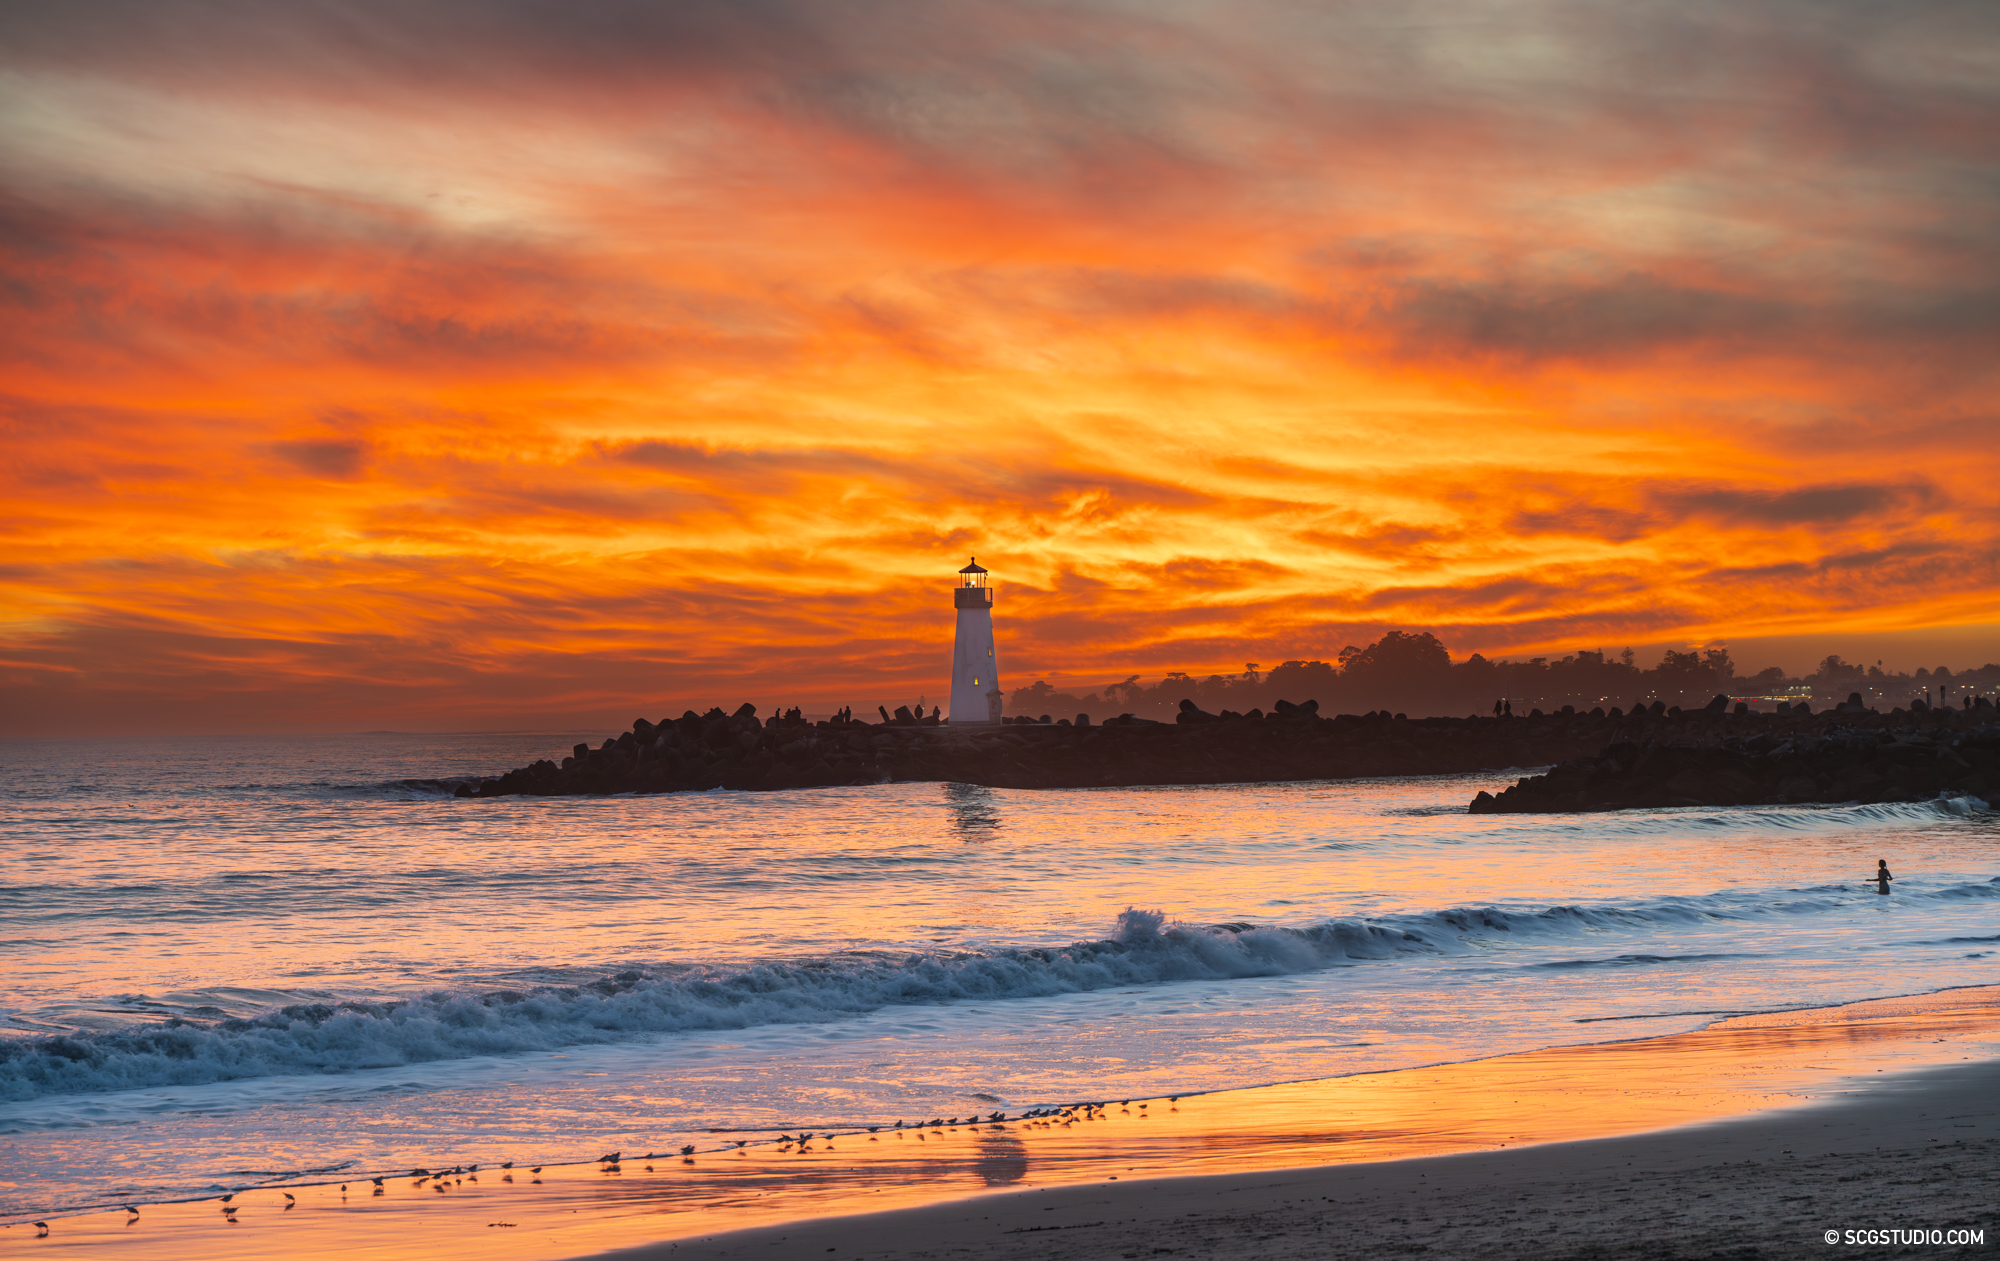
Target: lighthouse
x=975 y=671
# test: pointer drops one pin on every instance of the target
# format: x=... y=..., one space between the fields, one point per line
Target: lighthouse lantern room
x=975 y=671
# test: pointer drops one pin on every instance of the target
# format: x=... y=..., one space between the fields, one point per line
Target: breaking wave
x=1144 y=949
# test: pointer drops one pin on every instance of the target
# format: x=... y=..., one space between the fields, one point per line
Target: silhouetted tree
x=1411 y=671
x=1399 y=670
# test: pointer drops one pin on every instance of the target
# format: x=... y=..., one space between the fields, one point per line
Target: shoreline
x=759 y=1138
x=1917 y=1151
x=1763 y=1065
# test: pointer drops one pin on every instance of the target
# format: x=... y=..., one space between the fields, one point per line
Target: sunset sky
x=435 y=364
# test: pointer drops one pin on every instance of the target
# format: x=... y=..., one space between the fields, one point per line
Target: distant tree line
x=1411 y=672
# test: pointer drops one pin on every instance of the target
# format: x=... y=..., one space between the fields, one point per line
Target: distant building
x=975 y=671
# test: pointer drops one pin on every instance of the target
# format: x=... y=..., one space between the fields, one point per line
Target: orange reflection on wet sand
x=1735 y=1067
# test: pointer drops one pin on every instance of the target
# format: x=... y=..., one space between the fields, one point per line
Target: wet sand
x=1887 y=1108
x=1917 y=1153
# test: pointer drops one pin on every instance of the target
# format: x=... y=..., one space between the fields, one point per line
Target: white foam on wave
x=1145 y=948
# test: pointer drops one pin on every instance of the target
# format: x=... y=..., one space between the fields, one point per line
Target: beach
x=288 y=968
x=1765 y=1131
x=800 y=628
x=1915 y=1152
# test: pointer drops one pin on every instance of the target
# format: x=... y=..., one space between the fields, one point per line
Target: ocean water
x=230 y=961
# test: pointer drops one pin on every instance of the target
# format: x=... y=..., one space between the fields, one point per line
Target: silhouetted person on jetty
x=1882 y=876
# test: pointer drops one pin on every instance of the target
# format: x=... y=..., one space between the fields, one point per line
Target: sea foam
x=1144 y=948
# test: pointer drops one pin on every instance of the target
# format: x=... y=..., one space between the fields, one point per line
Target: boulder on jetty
x=1293 y=742
x=1845 y=754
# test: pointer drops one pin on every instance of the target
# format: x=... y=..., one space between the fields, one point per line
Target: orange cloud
x=440 y=364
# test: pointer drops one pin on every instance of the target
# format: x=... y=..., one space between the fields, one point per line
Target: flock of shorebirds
x=613 y=1162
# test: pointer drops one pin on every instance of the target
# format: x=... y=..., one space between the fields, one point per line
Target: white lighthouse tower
x=975 y=671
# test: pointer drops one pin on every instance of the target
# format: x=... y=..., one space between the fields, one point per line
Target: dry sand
x=1887 y=1109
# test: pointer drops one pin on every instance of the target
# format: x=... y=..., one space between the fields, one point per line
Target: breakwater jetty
x=717 y=750
x=1849 y=754
x=1651 y=756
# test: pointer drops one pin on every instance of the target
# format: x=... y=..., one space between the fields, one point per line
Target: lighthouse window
x=975 y=683
x=989 y=652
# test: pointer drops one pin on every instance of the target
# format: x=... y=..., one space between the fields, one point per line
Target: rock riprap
x=1652 y=756
x=717 y=750
x=1833 y=758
